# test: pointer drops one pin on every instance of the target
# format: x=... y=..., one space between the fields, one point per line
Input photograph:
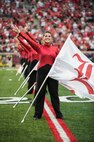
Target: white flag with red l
x=74 y=70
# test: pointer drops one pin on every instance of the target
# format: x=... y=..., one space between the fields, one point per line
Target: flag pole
x=25 y=79
x=24 y=95
x=23 y=72
x=34 y=98
x=20 y=87
x=18 y=69
x=25 y=82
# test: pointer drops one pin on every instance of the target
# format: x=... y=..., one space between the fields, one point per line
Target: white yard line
x=60 y=130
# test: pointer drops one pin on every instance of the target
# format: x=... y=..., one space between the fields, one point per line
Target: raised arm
x=22 y=51
x=26 y=45
x=33 y=43
x=30 y=38
x=22 y=42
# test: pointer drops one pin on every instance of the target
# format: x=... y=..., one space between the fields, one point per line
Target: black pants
x=21 y=61
x=32 y=78
x=53 y=90
x=25 y=63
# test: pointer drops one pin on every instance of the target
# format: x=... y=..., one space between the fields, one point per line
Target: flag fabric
x=74 y=70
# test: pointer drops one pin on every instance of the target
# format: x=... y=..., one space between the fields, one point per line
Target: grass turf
x=78 y=116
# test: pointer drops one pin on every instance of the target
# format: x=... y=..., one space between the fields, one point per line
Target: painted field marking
x=13 y=100
x=58 y=127
x=68 y=99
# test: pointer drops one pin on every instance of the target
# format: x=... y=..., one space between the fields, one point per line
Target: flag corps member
x=32 y=59
x=31 y=55
x=47 y=54
x=24 y=58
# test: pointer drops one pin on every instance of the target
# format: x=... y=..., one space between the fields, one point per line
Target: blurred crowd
x=61 y=17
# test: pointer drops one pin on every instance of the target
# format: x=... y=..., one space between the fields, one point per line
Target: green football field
x=78 y=116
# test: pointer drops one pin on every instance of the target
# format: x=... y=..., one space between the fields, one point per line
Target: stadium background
x=59 y=16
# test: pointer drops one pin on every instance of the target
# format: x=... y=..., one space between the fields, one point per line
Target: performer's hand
x=17 y=43
x=15 y=28
x=26 y=28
